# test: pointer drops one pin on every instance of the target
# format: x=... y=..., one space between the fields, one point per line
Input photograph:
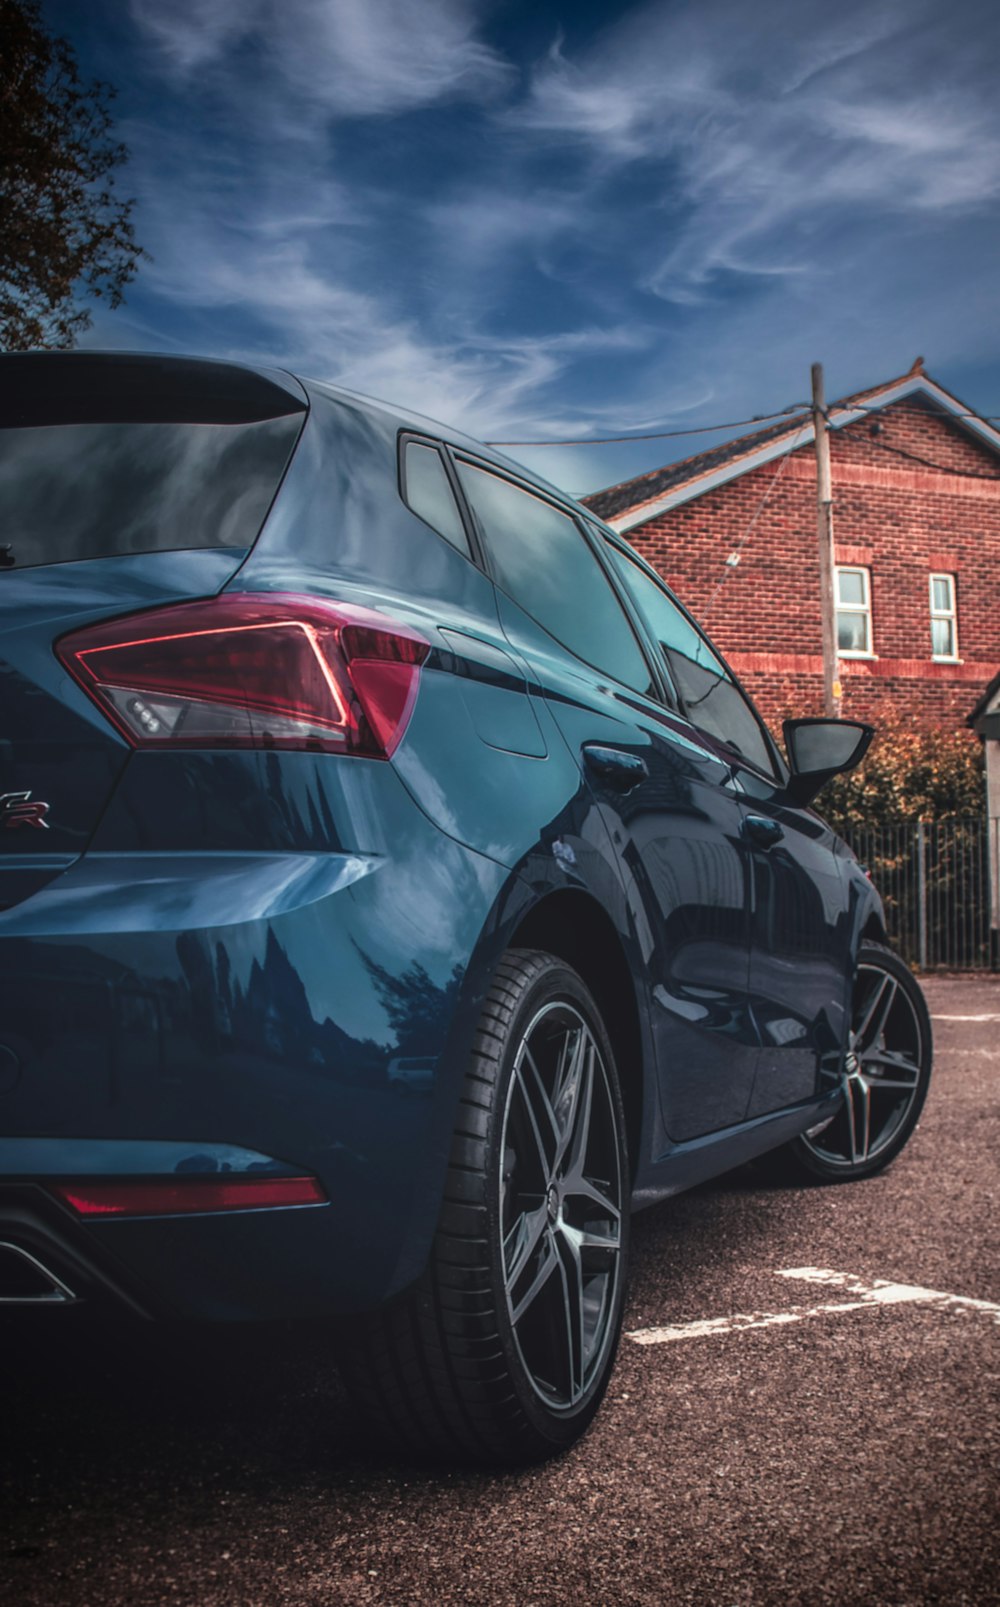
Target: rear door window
x=543 y=561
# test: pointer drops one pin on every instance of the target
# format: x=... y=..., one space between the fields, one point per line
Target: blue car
x=396 y=889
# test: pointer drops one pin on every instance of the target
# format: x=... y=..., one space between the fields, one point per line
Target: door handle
x=762 y=830
x=616 y=767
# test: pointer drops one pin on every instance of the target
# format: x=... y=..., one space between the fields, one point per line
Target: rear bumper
x=237 y=1265
x=165 y=1014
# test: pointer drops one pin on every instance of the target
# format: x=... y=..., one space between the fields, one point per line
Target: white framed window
x=944 y=617
x=854 y=612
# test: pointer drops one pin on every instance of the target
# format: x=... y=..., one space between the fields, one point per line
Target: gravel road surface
x=836 y=1456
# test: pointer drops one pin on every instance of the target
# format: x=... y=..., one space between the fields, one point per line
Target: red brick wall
x=901 y=519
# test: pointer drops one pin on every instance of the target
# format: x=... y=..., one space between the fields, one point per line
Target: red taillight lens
x=155 y=1196
x=262 y=670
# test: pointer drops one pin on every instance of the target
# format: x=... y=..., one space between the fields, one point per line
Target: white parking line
x=876 y=1292
x=966 y=1018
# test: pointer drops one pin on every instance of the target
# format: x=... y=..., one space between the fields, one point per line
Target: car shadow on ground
x=261 y=1405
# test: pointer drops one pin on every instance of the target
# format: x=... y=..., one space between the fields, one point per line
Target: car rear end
x=212 y=880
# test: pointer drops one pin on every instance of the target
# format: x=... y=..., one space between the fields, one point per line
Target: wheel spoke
x=522 y=1242
x=584 y=1240
x=907 y=1074
x=580 y=1187
x=538 y=1107
x=872 y=1024
x=849 y=1112
x=573 y=1094
x=578 y=1137
x=538 y=1114
x=862 y=1099
x=857 y=1107
x=571 y=1275
x=548 y=1264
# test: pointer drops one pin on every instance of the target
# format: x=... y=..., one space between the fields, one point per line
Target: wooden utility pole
x=824 y=526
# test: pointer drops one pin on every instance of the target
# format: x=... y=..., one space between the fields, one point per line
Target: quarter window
x=543 y=561
x=427 y=491
x=944 y=624
x=854 y=613
x=709 y=696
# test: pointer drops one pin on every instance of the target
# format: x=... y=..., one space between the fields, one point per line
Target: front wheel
x=884 y=1076
x=503 y=1349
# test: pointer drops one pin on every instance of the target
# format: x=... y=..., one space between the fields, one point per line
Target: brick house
x=916 y=487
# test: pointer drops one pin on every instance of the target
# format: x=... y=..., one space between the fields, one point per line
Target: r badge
x=16 y=810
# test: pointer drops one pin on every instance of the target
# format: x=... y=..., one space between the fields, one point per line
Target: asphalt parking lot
x=790 y=1426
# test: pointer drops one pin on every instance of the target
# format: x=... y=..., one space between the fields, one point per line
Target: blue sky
x=561 y=219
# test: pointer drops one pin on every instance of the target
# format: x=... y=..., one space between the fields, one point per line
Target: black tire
x=885 y=1076
x=469 y=1363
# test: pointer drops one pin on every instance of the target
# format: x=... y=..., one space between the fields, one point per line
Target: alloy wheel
x=882 y=1074
x=561 y=1204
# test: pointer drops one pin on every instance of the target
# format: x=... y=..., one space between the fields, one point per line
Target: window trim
x=864 y=607
x=944 y=613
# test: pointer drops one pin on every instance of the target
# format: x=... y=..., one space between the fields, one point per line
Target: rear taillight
x=261 y=670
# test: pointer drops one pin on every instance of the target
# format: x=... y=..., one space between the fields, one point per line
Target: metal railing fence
x=935 y=881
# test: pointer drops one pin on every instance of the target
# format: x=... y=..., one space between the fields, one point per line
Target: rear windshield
x=76 y=486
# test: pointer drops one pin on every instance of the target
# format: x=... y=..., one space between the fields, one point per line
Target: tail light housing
x=253 y=670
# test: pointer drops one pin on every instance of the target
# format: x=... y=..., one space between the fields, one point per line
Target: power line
x=928 y=463
x=895 y=409
x=758 y=418
x=658 y=435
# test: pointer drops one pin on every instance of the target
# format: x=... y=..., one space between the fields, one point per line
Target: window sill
x=841 y=653
x=941 y=658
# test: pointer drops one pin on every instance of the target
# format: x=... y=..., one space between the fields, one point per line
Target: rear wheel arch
x=502 y=1349
x=576 y=929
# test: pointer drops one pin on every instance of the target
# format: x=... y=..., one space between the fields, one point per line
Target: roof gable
x=636 y=501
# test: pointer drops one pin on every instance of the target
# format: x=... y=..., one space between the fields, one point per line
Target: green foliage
x=62 y=229
x=908 y=775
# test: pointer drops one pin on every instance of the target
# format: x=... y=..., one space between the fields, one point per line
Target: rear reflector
x=160 y=1197
x=253 y=670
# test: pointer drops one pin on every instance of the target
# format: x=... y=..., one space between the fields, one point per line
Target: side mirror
x=818 y=750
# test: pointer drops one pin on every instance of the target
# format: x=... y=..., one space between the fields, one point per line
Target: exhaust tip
x=26 y=1281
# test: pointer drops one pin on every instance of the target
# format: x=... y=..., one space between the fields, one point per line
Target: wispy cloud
x=273 y=259
x=662 y=218
x=348 y=58
x=763 y=142
x=253 y=231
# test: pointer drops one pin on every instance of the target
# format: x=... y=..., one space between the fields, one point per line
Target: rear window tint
x=97 y=490
x=109 y=453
